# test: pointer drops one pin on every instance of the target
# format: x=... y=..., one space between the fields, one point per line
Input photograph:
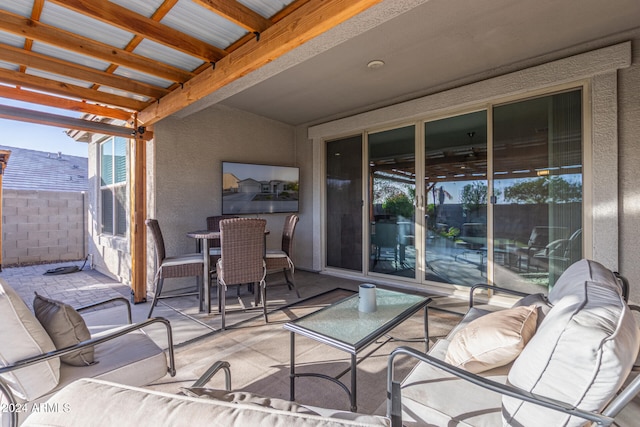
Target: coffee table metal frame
x=343 y=327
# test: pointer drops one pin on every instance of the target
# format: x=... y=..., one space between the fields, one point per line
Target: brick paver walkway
x=76 y=289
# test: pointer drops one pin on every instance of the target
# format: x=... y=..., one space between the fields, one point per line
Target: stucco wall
x=43 y=226
x=612 y=162
x=111 y=255
x=629 y=170
x=186 y=157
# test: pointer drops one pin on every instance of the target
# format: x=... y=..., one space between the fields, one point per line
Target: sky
x=39 y=137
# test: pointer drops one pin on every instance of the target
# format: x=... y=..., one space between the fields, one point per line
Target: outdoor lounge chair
x=538 y=240
x=566 y=361
x=30 y=363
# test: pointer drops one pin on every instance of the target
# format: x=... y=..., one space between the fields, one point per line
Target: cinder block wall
x=43 y=226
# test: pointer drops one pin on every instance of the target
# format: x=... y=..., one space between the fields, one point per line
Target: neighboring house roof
x=41 y=170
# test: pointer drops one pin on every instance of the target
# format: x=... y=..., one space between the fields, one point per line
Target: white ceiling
x=428 y=46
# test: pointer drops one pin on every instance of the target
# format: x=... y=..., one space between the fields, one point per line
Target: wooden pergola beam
x=305 y=23
x=124 y=18
x=65 y=89
x=237 y=13
x=35 y=30
x=76 y=71
x=64 y=103
x=38 y=117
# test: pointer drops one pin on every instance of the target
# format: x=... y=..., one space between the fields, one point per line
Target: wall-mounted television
x=249 y=188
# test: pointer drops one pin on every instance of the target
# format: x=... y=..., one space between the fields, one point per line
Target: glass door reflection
x=456 y=191
x=392 y=194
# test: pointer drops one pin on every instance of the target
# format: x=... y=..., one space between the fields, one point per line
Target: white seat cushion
x=275 y=253
x=183 y=259
x=22 y=336
x=432 y=397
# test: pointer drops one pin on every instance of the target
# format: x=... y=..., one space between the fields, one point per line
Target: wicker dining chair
x=213 y=224
x=280 y=260
x=242 y=258
x=186 y=265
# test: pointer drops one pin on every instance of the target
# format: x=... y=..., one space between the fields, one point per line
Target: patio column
x=4 y=159
x=138 y=214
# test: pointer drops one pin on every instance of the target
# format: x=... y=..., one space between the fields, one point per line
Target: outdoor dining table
x=203 y=236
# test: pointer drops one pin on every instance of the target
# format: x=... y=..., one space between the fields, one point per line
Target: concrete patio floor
x=188 y=324
x=88 y=286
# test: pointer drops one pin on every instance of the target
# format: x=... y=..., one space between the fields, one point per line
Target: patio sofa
x=126 y=406
x=554 y=361
x=40 y=357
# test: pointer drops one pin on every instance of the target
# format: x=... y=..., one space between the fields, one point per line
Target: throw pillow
x=492 y=340
x=65 y=327
x=248 y=398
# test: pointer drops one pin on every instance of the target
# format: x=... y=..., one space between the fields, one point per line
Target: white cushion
x=581 y=353
x=91 y=402
x=432 y=397
x=275 y=253
x=22 y=336
x=183 y=259
x=574 y=277
x=493 y=340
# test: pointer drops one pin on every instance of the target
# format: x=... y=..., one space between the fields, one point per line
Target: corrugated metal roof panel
x=20 y=7
x=202 y=24
x=57 y=77
x=167 y=55
x=143 y=7
x=9 y=66
x=67 y=55
x=76 y=23
x=266 y=8
x=142 y=77
x=123 y=93
x=11 y=39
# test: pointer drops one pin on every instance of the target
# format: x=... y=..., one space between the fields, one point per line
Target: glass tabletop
x=345 y=326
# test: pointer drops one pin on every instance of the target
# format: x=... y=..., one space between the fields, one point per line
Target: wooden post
x=4 y=159
x=138 y=215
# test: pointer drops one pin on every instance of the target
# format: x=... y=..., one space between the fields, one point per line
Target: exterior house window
x=113 y=184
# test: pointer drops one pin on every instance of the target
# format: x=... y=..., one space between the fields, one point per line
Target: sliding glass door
x=492 y=195
x=392 y=191
x=344 y=201
x=537 y=185
x=455 y=187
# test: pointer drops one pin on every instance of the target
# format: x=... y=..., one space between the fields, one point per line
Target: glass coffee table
x=343 y=326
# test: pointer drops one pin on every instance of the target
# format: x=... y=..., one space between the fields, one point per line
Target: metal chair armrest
x=95 y=341
x=116 y=300
x=493 y=288
x=213 y=369
x=624 y=284
x=394 y=401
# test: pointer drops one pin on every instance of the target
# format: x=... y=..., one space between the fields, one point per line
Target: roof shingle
x=41 y=170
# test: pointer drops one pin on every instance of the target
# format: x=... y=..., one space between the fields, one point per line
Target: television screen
x=256 y=189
